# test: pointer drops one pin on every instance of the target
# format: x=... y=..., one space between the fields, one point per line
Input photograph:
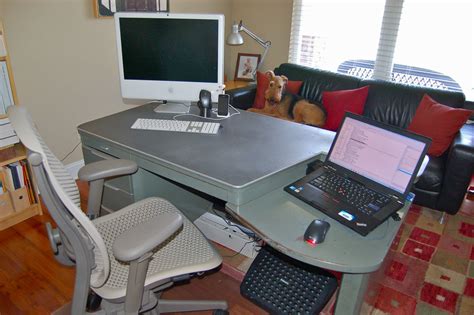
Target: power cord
x=67 y=155
x=240 y=251
x=252 y=235
x=237 y=112
x=160 y=102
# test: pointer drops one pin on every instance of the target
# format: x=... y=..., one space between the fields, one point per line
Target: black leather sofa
x=446 y=178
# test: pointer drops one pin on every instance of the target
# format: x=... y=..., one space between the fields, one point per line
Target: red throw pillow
x=438 y=122
x=292 y=87
x=337 y=103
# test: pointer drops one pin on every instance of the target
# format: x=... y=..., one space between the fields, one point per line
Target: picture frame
x=246 y=66
x=107 y=8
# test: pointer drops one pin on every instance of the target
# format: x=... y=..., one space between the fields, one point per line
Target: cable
x=160 y=102
x=255 y=238
x=237 y=112
x=67 y=155
x=240 y=251
x=252 y=235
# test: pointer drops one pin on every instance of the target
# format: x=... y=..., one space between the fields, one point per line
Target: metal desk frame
x=246 y=164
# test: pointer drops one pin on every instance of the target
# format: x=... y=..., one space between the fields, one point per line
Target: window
x=327 y=32
x=434 y=45
x=438 y=35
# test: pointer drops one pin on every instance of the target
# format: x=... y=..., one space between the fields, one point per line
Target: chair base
x=167 y=306
x=63 y=310
x=164 y=306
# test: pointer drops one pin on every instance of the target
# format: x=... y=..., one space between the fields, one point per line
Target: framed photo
x=246 y=66
x=107 y=8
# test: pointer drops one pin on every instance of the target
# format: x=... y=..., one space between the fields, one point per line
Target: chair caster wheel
x=220 y=312
x=93 y=302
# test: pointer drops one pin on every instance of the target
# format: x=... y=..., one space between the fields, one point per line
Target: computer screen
x=170 y=56
x=383 y=156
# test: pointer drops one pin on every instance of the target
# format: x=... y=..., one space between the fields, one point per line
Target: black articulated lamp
x=235 y=39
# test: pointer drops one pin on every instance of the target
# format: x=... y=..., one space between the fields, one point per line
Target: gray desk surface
x=248 y=149
x=257 y=155
x=281 y=220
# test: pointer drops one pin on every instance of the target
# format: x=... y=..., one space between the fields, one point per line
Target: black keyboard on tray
x=351 y=192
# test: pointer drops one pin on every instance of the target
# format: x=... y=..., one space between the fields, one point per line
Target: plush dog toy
x=289 y=106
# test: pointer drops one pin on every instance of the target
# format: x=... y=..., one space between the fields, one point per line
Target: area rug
x=430 y=266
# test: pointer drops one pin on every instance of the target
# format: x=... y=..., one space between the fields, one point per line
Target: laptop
x=367 y=175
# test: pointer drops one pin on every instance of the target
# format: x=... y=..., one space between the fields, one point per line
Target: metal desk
x=246 y=164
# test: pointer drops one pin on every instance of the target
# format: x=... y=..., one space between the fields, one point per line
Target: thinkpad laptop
x=367 y=174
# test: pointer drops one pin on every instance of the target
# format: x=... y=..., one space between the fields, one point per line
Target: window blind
x=388 y=39
x=301 y=46
x=325 y=33
x=427 y=41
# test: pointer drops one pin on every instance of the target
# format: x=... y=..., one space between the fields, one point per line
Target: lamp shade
x=234 y=38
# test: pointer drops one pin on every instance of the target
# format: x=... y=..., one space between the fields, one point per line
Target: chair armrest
x=243 y=97
x=458 y=172
x=107 y=168
x=143 y=238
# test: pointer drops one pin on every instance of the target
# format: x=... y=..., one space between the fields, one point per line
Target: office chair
x=128 y=257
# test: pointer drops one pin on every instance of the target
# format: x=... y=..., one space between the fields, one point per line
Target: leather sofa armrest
x=459 y=170
x=243 y=98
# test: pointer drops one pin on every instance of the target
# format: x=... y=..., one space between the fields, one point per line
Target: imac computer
x=170 y=57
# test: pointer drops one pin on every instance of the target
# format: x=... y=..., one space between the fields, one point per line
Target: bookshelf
x=22 y=203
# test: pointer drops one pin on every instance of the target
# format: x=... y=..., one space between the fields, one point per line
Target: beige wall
x=270 y=20
x=64 y=59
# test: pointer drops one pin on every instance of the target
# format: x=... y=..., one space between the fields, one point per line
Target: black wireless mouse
x=316 y=232
x=205 y=103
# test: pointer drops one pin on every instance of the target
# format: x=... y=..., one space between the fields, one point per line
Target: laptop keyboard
x=362 y=198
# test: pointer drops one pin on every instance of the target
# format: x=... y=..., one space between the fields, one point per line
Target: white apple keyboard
x=177 y=125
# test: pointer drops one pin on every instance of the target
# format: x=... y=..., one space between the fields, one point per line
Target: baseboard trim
x=74 y=167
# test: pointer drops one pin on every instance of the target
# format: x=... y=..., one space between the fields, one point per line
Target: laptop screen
x=383 y=156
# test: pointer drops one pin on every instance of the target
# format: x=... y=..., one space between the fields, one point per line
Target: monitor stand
x=173 y=107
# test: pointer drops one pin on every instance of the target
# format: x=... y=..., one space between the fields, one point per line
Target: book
x=7 y=133
x=6 y=130
x=21 y=178
x=3 y=189
x=7 y=178
x=6 y=94
x=26 y=176
x=3 y=49
x=15 y=176
x=9 y=141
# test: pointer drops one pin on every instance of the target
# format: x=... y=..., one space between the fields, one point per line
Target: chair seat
x=186 y=251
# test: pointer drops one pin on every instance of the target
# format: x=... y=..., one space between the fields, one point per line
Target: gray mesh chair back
x=169 y=246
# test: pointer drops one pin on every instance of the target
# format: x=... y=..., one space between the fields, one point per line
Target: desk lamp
x=235 y=39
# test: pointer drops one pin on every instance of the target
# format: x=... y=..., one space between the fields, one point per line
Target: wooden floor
x=32 y=282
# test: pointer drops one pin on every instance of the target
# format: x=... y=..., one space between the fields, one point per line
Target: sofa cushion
x=337 y=103
x=433 y=175
x=292 y=87
x=438 y=122
x=315 y=81
x=396 y=104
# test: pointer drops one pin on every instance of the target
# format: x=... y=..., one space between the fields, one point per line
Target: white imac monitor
x=170 y=57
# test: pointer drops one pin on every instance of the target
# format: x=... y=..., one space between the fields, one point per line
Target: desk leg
x=351 y=293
